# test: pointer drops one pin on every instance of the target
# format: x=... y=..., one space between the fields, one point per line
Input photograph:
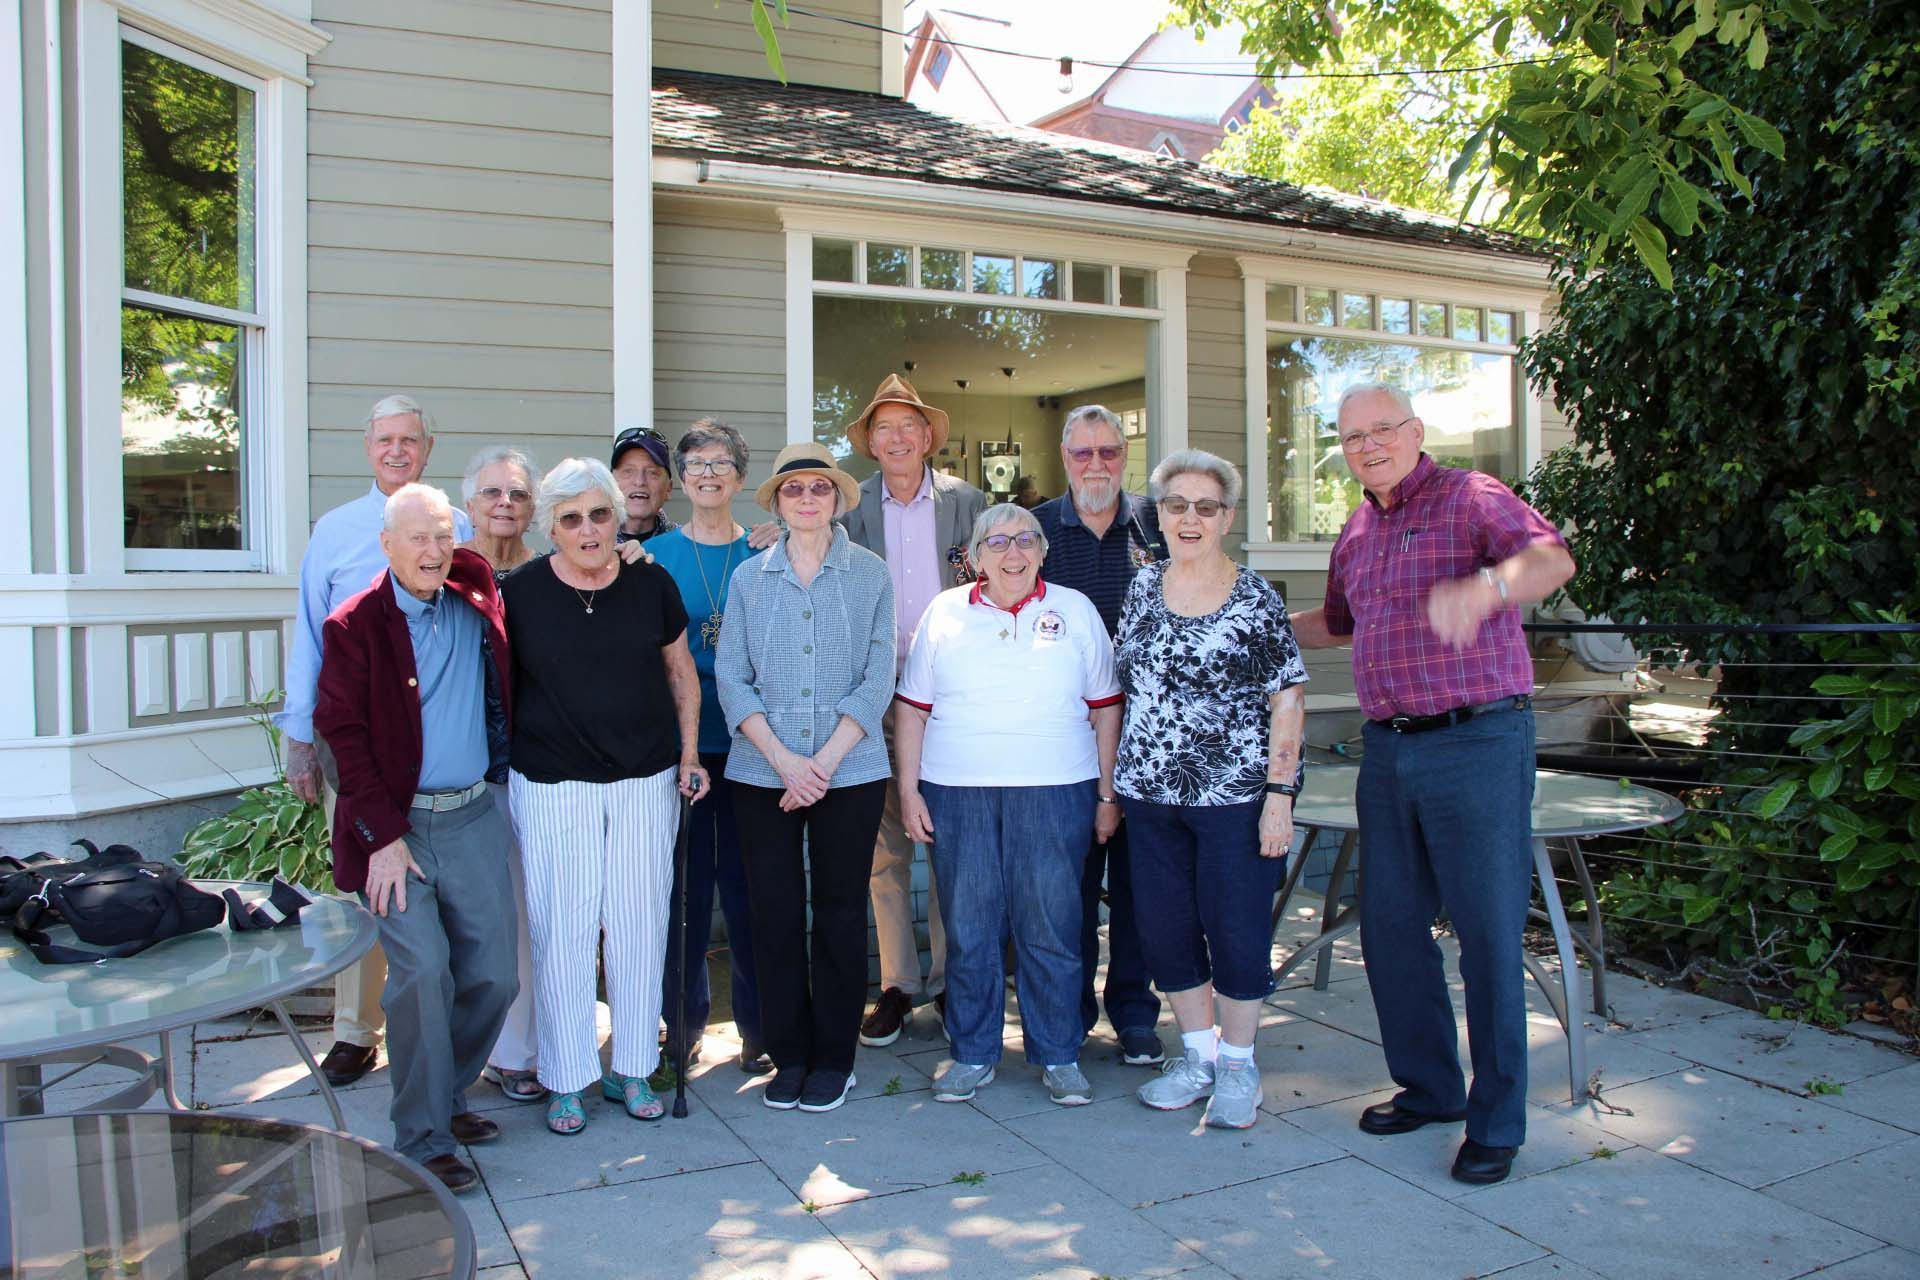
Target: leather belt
x=441 y=801
x=1459 y=715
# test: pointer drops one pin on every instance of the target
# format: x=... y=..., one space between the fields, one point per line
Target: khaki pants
x=891 y=888
x=357 y=1015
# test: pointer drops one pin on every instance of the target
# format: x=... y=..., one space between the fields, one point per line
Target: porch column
x=632 y=213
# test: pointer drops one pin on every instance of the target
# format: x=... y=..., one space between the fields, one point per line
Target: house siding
x=459 y=229
x=697 y=35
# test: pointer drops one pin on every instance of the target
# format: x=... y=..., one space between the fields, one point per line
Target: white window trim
x=259 y=47
x=1256 y=273
x=1167 y=335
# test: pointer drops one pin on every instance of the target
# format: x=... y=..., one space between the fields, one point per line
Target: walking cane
x=680 y=944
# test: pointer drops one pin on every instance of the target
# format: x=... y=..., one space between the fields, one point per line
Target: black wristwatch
x=1287 y=789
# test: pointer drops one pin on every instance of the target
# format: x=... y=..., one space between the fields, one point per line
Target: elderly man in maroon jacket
x=413 y=699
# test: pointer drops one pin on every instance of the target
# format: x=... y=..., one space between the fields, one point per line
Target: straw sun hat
x=897 y=390
x=804 y=459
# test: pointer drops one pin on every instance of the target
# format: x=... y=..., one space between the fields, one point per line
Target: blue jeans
x=1131 y=1004
x=1203 y=896
x=1445 y=822
x=1006 y=862
x=713 y=862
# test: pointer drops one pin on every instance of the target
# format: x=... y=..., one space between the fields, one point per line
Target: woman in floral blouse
x=1208 y=767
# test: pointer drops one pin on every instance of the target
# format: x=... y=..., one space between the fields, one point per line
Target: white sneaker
x=961 y=1080
x=1181 y=1083
x=1067 y=1086
x=1236 y=1094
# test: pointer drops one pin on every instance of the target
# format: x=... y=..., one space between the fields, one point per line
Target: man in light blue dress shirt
x=343 y=557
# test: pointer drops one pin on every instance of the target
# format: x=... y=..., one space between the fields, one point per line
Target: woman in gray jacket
x=804 y=669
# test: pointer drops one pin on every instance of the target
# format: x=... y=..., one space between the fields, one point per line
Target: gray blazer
x=805 y=656
x=956 y=505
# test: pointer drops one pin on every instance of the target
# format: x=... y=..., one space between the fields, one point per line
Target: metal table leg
x=1596 y=930
x=1330 y=910
x=1564 y=1000
x=1334 y=923
x=163 y=1070
x=306 y=1056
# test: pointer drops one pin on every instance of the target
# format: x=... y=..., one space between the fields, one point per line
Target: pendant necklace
x=586 y=599
x=710 y=629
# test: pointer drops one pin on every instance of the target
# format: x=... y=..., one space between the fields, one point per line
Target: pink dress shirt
x=913 y=558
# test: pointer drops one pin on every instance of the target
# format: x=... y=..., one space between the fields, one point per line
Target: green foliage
x=1822 y=1087
x=973 y=1179
x=270 y=832
x=769 y=38
x=1599 y=132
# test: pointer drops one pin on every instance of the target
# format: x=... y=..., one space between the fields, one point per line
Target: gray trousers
x=450 y=970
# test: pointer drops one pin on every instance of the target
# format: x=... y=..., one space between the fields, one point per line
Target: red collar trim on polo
x=1039 y=592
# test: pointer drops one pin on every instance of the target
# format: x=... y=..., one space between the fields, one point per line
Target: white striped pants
x=599 y=866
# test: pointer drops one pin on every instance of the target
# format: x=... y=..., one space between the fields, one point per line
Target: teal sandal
x=565 y=1116
x=634 y=1093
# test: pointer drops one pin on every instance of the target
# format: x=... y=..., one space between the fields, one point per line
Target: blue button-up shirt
x=343 y=558
x=803 y=656
x=453 y=701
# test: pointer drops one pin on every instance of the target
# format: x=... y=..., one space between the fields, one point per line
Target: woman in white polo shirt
x=1008 y=717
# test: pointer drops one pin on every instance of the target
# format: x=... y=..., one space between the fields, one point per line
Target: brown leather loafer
x=1388 y=1118
x=346 y=1063
x=454 y=1173
x=471 y=1127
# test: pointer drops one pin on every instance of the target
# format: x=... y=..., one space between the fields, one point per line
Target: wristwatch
x=1282 y=789
x=1495 y=581
x=1107 y=799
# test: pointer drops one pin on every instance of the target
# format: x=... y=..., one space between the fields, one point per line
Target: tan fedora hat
x=895 y=389
x=806 y=458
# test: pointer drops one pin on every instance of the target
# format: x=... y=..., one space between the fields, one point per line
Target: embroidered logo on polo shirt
x=1049 y=626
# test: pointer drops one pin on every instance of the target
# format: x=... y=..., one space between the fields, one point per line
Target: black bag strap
x=26 y=928
x=282 y=908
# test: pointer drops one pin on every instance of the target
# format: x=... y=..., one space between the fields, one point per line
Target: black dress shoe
x=1480 y=1165
x=470 y=1127
x=1385 y=1118
x=454 y=1173
x=346 y=1063
x=754 y=1060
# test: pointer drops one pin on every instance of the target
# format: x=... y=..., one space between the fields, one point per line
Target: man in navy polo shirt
x=1097 y=537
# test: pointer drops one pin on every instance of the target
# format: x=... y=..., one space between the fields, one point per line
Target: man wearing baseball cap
x=918 y=520
x=641 y=470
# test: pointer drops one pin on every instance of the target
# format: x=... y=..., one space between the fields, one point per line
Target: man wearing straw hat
x=917 y=520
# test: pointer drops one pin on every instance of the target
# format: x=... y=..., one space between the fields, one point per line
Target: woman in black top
x=602 y=677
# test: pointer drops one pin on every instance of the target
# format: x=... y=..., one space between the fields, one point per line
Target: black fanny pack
x=121 y=903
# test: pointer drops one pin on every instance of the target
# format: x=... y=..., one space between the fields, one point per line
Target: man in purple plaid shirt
x=1428 y=579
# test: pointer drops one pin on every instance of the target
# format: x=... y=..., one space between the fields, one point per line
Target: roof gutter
x=1227 y=235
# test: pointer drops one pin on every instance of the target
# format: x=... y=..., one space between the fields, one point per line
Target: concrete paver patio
x=1709 y=1154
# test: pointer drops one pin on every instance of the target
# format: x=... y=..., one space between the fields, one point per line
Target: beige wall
x=698 y=35
x=459 y=227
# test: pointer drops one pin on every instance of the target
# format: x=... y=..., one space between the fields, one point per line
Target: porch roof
x=803 y=126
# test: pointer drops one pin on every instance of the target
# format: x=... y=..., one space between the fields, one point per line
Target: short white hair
x=470 y=482
x=1400 y=398
x=435 y=498
x=570 y=478
x=394 y=406
x=1196 y=462
x=1002 y=514
x=1092 y=413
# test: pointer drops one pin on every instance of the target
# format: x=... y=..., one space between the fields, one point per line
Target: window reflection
x=180 y=430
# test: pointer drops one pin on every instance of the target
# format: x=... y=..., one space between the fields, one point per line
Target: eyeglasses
x=493 y=493
x=1175 y=505
x=708 y=467
x=1107 y=452
x=1026 y=541
x=800 y=489
x=1381 y=433
x=572 y=520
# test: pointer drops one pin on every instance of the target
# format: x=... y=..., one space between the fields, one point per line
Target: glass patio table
x=1567 y=808
x=200 y=1196
x=85 y=1013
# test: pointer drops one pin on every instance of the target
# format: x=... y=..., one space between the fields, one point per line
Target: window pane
x=1060 y=359
x=1433 y=319
x=1136 y=287
x=942 y=268
x=1280 y=304
x=180 y=430
x=1319 y=306
x=1090 y=282
x=1396 y=315
x=1466 y=399
x=187 y=170
x=1466 y=324
x=832 y=259
x=992 y=273
x=1500 y=326
x=889 y=264
x=1356 y=310
x=1039 y=278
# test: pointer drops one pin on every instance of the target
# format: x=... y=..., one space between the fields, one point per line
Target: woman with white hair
x=497 y=491
x=606 y=719
x=1004 y=740
x=1209 y=765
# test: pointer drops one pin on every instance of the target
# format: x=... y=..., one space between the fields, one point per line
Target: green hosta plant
x=270 y=832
